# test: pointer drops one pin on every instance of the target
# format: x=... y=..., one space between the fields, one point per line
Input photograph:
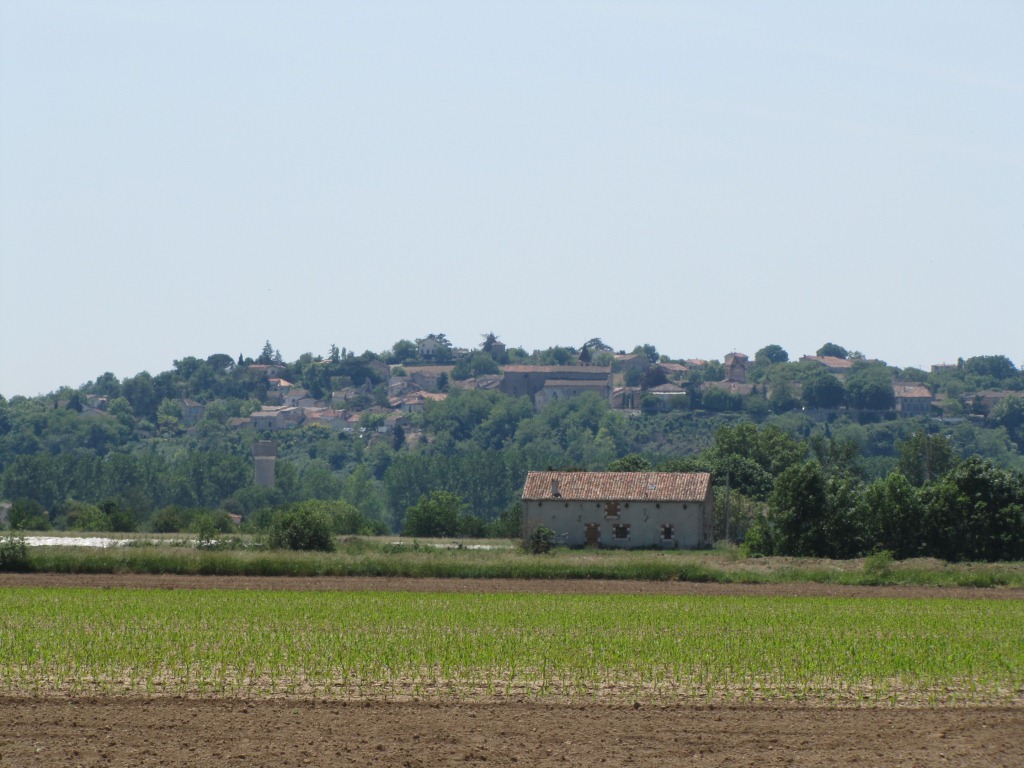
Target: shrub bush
x=507 y=525
x=879 y=564
x=541 y=540
x=13 y=553
x=29 y=515
x=441 y=514
x=300 y=528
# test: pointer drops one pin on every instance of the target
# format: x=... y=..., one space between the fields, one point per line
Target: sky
x=188 y=178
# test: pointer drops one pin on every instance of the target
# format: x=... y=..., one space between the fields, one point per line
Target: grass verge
x=376 y=557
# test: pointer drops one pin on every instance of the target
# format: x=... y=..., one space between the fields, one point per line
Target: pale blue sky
x=184 y=178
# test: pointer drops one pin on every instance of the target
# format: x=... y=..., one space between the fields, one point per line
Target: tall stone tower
x=736 y=367
x=264 y=454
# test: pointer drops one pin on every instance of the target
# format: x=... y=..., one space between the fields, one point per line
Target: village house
x=428 y=348
x=265 y=370
x=627 y=363
x=837 y=365
x=428 y=376
x=327 y=417
x=341 y=396
x=273 y=418
x=735 y=365
x=488 y=381
x=414 y=401
x=276 y=390
x=298 y=397
x=912 y=399
x=621 y=509
x=674 y=371
x=665 y=395
x=563 y=389
x=984 y=400
x=191 y=411
x=99 y=402
x=732 y=387
x=529 y=380
x=399 y=386
x=627 y=398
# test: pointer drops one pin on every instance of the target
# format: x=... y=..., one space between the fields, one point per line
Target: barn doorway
x=592 y=537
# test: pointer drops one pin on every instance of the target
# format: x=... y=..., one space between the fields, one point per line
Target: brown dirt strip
x=542 y=586
x=122 y=732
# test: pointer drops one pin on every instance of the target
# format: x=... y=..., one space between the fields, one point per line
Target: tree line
x=136 y=468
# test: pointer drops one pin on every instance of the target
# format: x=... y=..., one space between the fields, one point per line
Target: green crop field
x=874 y=652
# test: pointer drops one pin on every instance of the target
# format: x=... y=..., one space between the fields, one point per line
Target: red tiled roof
x=828 y=361
x=733 y=387
x=618 y=486
x=592 y=383
x=556 y=368
x=912 y=390
x=430 y=370
x=667 y=389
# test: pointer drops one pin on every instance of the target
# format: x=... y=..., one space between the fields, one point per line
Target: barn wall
x=689 y=521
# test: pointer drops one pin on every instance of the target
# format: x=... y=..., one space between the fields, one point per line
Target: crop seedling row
x=470 y=646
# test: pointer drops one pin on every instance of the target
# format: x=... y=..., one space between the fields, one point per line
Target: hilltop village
x=387 y=389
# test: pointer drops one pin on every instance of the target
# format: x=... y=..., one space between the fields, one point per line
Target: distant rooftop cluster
x=382 y=393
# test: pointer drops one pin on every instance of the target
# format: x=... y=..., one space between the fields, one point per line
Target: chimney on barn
x=554 y=487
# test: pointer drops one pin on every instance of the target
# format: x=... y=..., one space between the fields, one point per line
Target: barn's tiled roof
x=617 y=486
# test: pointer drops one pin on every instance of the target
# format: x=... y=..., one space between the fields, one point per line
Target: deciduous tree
x=823 y=390
x=771 y=355
x=869 y=387
x=828 y=349
x=436 y=515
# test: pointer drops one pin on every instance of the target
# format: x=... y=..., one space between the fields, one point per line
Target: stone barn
x=621 y=509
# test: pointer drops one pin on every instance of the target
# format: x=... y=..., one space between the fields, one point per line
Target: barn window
x=621 y=531
x=668 y=532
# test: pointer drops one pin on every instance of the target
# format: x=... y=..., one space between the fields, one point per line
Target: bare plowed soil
x=183 y=732
x=547 y=586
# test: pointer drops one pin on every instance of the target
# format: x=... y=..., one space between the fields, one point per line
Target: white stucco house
x=621 y=509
